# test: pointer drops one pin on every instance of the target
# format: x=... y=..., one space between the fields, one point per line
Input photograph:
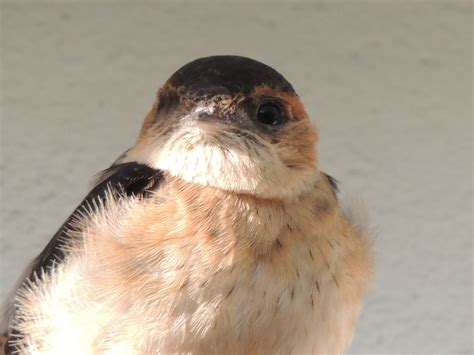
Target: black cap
x=226 y=74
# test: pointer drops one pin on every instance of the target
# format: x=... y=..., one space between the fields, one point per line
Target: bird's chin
x=226 y=160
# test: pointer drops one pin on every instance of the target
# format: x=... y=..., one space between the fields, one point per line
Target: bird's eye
x=270 y=114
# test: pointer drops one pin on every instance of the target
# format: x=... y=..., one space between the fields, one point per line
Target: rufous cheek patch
x=292 y=101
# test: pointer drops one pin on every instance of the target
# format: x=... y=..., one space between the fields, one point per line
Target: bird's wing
x=125 y=179
x=333 y=182
x=128 y=179
x=353 y=208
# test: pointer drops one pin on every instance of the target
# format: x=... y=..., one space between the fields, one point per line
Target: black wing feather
x=128 y=179
x=333 y=182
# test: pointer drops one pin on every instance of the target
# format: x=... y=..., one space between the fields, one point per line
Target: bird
x=216 y=232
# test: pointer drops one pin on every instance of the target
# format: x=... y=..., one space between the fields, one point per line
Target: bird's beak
x=205 y=116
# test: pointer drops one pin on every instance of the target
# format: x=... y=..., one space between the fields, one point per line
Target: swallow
x=217 y=232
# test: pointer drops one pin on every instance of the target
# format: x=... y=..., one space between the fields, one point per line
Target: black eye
x=269 y=114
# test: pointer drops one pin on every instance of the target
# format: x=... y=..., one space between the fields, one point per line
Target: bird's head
x=232 y=123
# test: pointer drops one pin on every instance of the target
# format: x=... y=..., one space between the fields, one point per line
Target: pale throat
x=224 y=162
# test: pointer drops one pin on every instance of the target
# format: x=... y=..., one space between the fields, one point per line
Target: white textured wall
x=389 y=84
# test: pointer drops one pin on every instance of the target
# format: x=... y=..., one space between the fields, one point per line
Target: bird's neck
x=245 y=221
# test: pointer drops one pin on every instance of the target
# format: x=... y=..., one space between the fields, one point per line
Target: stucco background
x=388 y=83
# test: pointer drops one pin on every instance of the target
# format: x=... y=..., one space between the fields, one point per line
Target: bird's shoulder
x=123 y=180
x=126 y=179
